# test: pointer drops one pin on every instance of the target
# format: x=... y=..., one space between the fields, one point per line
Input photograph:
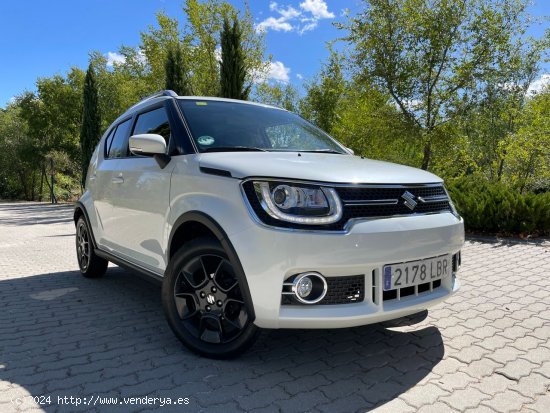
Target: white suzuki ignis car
x=251 y=217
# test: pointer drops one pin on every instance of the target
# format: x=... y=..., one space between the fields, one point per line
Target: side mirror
x=150 y=144
x=351 y=151
x=147 y=144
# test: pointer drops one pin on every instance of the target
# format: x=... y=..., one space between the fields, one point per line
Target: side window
x=118 y=146
x=155 y=121
x=109 y=140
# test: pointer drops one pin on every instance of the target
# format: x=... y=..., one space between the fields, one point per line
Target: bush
x=492 y=207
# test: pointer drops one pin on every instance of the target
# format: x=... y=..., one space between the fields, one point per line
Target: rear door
x=107 y=182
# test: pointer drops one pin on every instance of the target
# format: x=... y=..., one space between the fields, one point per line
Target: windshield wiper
x=234 y=149
x=322 y=151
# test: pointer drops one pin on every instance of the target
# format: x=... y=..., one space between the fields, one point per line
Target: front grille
x=366 y=202
x=399 y=293
x=357 y=201
x=340 y=290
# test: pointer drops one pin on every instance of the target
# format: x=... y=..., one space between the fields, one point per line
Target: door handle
x=118 y=179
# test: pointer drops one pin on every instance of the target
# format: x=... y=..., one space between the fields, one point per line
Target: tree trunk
x=500 y=169
x=49 y=188
x=33 y=185
x=42 y=173
x=427 y=155
x=23 y=180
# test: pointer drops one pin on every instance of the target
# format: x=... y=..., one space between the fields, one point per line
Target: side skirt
x=141 y=272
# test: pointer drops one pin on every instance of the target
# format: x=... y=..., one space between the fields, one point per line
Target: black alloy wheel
x=203 y=301
x=91 y=266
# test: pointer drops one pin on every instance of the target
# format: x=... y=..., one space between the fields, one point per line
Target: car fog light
x=305 y=286
x=309 y=287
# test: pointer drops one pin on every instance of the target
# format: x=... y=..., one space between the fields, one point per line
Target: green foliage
x=199 y=40
x=154 y=47
x=232 y=66
x=17 y=158
x=431 y=56
x=527 y=153
x=374 y=128
x=493 y=207
x=323 y=95
x=90 y=131
x=52 y=118
x=276 y=94
x=176 y=73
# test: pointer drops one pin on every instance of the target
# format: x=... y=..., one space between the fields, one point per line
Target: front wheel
x=203 y=301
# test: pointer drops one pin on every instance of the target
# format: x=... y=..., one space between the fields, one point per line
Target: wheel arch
x=194 y=224
x=79 y=211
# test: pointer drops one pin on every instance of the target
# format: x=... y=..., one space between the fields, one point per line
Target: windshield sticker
x=201 y=103
x=205 y=140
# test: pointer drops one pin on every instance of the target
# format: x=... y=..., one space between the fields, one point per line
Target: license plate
x=411 y=273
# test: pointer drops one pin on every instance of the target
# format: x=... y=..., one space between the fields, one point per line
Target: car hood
x=319 y=167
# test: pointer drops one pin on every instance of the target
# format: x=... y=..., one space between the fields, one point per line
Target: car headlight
x=452 y=205
x=298 y=203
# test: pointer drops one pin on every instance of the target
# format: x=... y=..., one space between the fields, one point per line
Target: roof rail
x=161 y=93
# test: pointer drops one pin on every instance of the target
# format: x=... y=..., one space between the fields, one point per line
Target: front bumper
x=269 y=256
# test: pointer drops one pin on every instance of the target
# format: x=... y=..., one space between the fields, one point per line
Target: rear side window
x=117 y=147
x=155 y=121
x=109 y=140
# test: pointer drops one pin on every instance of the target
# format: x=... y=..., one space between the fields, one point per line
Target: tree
x=91 y=121
x=528 y=151
x=176 y=74
x=53 y=116
x=372 y=126
x=277 y=94
x=232 y=66
x=430 y=55
x=496 y=116
x=200 y=43
x=18 y=158
x=320 y=105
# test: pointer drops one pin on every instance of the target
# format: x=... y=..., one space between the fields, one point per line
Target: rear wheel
x=91 y=266
x=203 y=301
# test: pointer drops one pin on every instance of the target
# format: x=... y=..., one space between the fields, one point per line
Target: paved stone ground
x=487 y=349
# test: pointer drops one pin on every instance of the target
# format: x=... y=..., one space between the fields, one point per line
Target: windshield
x=231 y=126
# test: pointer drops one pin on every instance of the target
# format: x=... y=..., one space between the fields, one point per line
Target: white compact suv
x=251 y=217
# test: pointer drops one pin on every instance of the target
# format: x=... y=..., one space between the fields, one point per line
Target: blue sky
x=43 y=38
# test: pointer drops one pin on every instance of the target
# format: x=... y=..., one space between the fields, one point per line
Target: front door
x=142 y=199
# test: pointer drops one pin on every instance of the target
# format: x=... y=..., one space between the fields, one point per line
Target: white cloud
x=318 y=8
x=290 y=19
x=539 y=84
x=114 y=57
x=288 y=13
x=307 y=27
x=278 y=71
x=299 y=76
x=277 y=24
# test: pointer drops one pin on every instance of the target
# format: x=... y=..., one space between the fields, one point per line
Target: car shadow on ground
x=64 y=335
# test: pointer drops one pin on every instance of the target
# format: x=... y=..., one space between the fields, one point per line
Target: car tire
x=204 y=301
x=91 y=266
